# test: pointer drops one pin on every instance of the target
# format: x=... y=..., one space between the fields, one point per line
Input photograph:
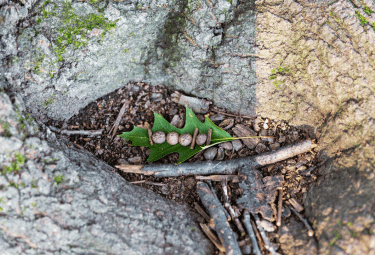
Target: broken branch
x=77 y=132
x=310 y=231
x=119 y=117
x=221 y=167
x=217 y=213
x=251 y=233
x=267 y=243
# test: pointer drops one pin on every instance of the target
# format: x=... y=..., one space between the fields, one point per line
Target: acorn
x=185 y=139
x=172 y=138
x=158 y=137
x=201 y=139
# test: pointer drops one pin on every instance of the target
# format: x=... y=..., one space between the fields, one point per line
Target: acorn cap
x=172 y=138
x=201 y=139
x=185 y=139
x=158 y=137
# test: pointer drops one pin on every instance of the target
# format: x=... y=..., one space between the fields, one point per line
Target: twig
x=77 y=132
x=295 y=204
x=209 y=134
x=119 y=117
x=202 y=212
x=234 y=215
x=150 y=136
x=251 y=233
x=280 y=207
x=267 y=243
x=310 y=231
x=212 y=237
x=222 y=226
x=225 y=167
x=19 y=236
x=219 y=178
x=260 y=241
x=194 y=138
x=232 y=115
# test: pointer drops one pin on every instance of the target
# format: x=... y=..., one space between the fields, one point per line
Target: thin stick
x=222 y=226
x=219 y=178
x=224 y=167
x=76 y=132
x=209 y=134
x=150 y=136
x=234 y=215
x=267 y=243
x=295 y=204
x=310 y=231
x=201 y=212
x=260 y=241
x=194 y=138
x=251 y=233
x=82 y=132
x=212 y=237
x=280 y=207
x=232 y=115
x=118 y=119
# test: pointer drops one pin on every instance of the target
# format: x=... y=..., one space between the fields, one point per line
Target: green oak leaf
x=139 y=136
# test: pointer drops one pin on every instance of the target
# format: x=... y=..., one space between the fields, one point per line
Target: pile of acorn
x=174 y=138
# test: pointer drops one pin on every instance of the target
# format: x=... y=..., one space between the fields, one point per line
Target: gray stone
x=268 y=226
x=156 y=97
x=56 y=199
x=244 y=131
x=260 y=148
x=237 y=145
x=220 y=154
x=210 y=153
x=226 y=145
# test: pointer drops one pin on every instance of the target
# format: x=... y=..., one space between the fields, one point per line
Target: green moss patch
x=72 y=28
x=15 y=165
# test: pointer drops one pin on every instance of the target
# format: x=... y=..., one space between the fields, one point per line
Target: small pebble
x=291 y=162
x=265 y=125
x=246 y=249
x=260 y=148
x=227 y=124
x=295 y=135
x=135 y=160
x=173 y=111
x=282 y=138
x=122 y=161
x=217 y=117
x=301 y=163
x=274 y=146
x=226 y=145
x=200 y=117
x=175 y=120
x=268 y=226
x=135 y=88
x=301 y=169
x=237 y=145
x=210 y=153
x=156 y=97
x=220 y=154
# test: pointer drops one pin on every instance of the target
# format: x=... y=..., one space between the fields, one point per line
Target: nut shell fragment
x=158 y=137
x=172 y=138
x=185 y=139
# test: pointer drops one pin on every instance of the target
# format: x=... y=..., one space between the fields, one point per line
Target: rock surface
x=57 y=199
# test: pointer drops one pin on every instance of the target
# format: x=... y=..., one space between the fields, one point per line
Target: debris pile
x=249 y=178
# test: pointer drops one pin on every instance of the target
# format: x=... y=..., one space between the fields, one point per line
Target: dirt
x=142 y=100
